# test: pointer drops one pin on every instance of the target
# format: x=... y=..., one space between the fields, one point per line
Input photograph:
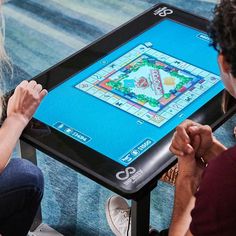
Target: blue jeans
x=21 y=191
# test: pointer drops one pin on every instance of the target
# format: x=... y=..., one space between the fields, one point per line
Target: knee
x=26 y=174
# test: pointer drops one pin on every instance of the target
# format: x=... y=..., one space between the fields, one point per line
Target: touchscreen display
x=127 y=101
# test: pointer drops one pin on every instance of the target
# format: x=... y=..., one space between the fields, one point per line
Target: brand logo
x=163 y=12
x=124 y=175
x=129 y=175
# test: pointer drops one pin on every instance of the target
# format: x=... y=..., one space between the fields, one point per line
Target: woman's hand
x=25 y=100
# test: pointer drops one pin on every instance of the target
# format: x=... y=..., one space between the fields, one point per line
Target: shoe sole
x=108 y=216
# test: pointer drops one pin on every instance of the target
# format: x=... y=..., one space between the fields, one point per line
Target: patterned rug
x=39 y=34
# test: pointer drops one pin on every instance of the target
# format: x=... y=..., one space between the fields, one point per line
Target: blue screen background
x=114 y=132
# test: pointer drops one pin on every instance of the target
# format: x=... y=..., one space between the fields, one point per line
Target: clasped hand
x=192 y=143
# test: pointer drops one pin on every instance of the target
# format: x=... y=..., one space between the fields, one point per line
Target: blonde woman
x=21 y=182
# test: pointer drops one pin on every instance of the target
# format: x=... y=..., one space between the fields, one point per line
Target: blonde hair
x=6 y=67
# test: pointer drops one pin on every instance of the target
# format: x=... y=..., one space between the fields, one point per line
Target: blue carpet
x=38 y=35
x=41 y=33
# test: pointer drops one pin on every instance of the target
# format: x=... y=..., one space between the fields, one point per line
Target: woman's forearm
x=20 y=108
x=10 y=132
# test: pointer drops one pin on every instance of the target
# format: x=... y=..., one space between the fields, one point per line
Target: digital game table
x=112 y=107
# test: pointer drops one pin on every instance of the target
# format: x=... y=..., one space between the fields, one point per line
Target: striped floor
x=41 y=33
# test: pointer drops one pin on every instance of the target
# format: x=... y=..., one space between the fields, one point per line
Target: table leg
x=28 y=152
x=140 y=216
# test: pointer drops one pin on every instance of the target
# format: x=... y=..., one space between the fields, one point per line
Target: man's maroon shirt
x=215 y=208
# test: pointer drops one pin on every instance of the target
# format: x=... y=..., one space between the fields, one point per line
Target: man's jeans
x=21 y=190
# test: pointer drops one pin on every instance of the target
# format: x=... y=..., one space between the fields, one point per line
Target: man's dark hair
x=223 y=32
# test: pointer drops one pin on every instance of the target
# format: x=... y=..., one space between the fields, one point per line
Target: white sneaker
x=118 y=216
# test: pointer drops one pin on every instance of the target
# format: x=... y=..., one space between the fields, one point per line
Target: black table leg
x=28 y=152
x=140 y=216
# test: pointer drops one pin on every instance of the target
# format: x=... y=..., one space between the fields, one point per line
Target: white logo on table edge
x=163 y=11
x=129 y=175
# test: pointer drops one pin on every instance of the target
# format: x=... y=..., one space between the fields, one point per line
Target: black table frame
x=140 y=205
x=140 y=192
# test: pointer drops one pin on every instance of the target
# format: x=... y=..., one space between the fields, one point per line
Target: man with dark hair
x=205 y=189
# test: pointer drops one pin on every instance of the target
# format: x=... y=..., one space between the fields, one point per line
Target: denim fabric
x=21 y=190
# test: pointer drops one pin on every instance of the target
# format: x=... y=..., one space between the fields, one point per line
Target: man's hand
x=25 y=100
x=190 y=140
x=183 y=141
x=191 y=143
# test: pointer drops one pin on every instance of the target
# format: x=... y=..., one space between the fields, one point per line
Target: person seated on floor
x=205 y=189
x=21 y=182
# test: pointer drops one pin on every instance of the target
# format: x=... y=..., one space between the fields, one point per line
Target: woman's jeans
x=21 y=191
